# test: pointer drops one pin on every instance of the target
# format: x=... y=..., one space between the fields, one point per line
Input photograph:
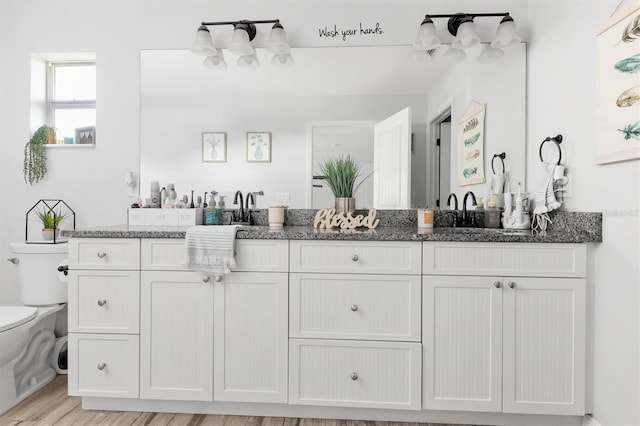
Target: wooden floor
x=52 y=406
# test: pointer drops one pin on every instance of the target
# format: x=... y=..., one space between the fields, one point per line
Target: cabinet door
x=544 y=345
x=462 y=338
x=250 y=331
x=176 y=336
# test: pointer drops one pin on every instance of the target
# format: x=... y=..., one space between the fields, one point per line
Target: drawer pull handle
x=354 y=307
x=355 y=258
x=354 y=376
x=101 y=366
x=102 y=254
x=511 y=284
x=205 y=279
x=497 y=284
x=218 y=278
x=102 y=302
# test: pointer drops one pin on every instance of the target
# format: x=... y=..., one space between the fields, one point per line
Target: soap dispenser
x=212 y=213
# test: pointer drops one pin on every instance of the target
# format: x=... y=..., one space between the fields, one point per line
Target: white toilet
x=27 y=334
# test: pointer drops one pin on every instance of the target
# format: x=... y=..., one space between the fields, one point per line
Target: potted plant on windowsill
x=341 y=174
x=50 y=224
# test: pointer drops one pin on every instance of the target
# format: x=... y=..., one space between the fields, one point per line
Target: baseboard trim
x=587 y=420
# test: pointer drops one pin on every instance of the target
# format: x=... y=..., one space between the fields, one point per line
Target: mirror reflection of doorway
x=443 y=146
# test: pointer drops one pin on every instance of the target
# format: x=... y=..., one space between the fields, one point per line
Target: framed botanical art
x=214 y=147
x=471 y=148
x=618 y=88
x=259 y=147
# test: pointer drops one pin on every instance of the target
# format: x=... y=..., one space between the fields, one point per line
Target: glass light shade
x=455 y=56
x=466 y=37
x=506 y=34
x=203 y=44
x=240 y=42
x=278 y=40
x=215 y=62
x=282 y=60
x=248 y=61
x=489 y=54
x=427 y=37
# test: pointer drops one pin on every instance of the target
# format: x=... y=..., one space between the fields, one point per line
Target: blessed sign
x=327 y=218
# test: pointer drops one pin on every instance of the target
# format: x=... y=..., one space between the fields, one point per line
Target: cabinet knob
x=101 y=366
x=511 y=284
x=355 y=257
x=102 y=302
x=218 y=278
x=354 y=307
x=102 y=254
x=354 y=376
x=497 y=284
x=205 y=279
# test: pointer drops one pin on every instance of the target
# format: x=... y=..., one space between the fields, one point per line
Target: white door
x=544 y=346
x=176 y=336
x=251 y=337
x=392 y=162
x=462 y=338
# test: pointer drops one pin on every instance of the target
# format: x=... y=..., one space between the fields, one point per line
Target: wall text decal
x=355 y=30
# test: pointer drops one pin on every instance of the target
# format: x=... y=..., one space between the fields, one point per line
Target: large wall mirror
x=326 y=104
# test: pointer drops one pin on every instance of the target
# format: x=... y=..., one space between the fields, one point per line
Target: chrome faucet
x=241 y=213
x=455 y=208
x=466 y=221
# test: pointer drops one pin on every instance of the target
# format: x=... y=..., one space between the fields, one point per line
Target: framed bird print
x=618 y=88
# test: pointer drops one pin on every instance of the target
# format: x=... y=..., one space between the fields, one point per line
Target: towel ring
x=501 y=157
x=557 y=140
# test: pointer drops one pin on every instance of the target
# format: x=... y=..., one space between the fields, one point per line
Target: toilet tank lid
x=13 y=316
x=38 y=248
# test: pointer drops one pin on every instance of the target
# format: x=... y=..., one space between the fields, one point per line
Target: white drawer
x=380 y=257
x=251 y=255
x=104 y=301
x=515 y=259
x=355 y=374
x=347 y=306
x=103 y=365
x=104 y=253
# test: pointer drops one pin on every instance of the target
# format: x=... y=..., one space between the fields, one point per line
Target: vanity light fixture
x=462 y=27
x=244 y=31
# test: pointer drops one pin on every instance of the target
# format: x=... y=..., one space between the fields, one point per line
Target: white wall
x=561 y=100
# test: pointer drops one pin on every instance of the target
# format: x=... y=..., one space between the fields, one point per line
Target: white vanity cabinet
x=504 y=327
x=104 y=295
x=223 y=338
x=354 y=324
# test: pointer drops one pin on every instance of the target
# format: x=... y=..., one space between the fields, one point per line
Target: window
x=71 y=99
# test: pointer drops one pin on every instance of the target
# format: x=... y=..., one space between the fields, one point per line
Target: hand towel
x=209 y=249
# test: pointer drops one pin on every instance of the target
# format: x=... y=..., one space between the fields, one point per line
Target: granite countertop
x=395 y=225
x=384 y=233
